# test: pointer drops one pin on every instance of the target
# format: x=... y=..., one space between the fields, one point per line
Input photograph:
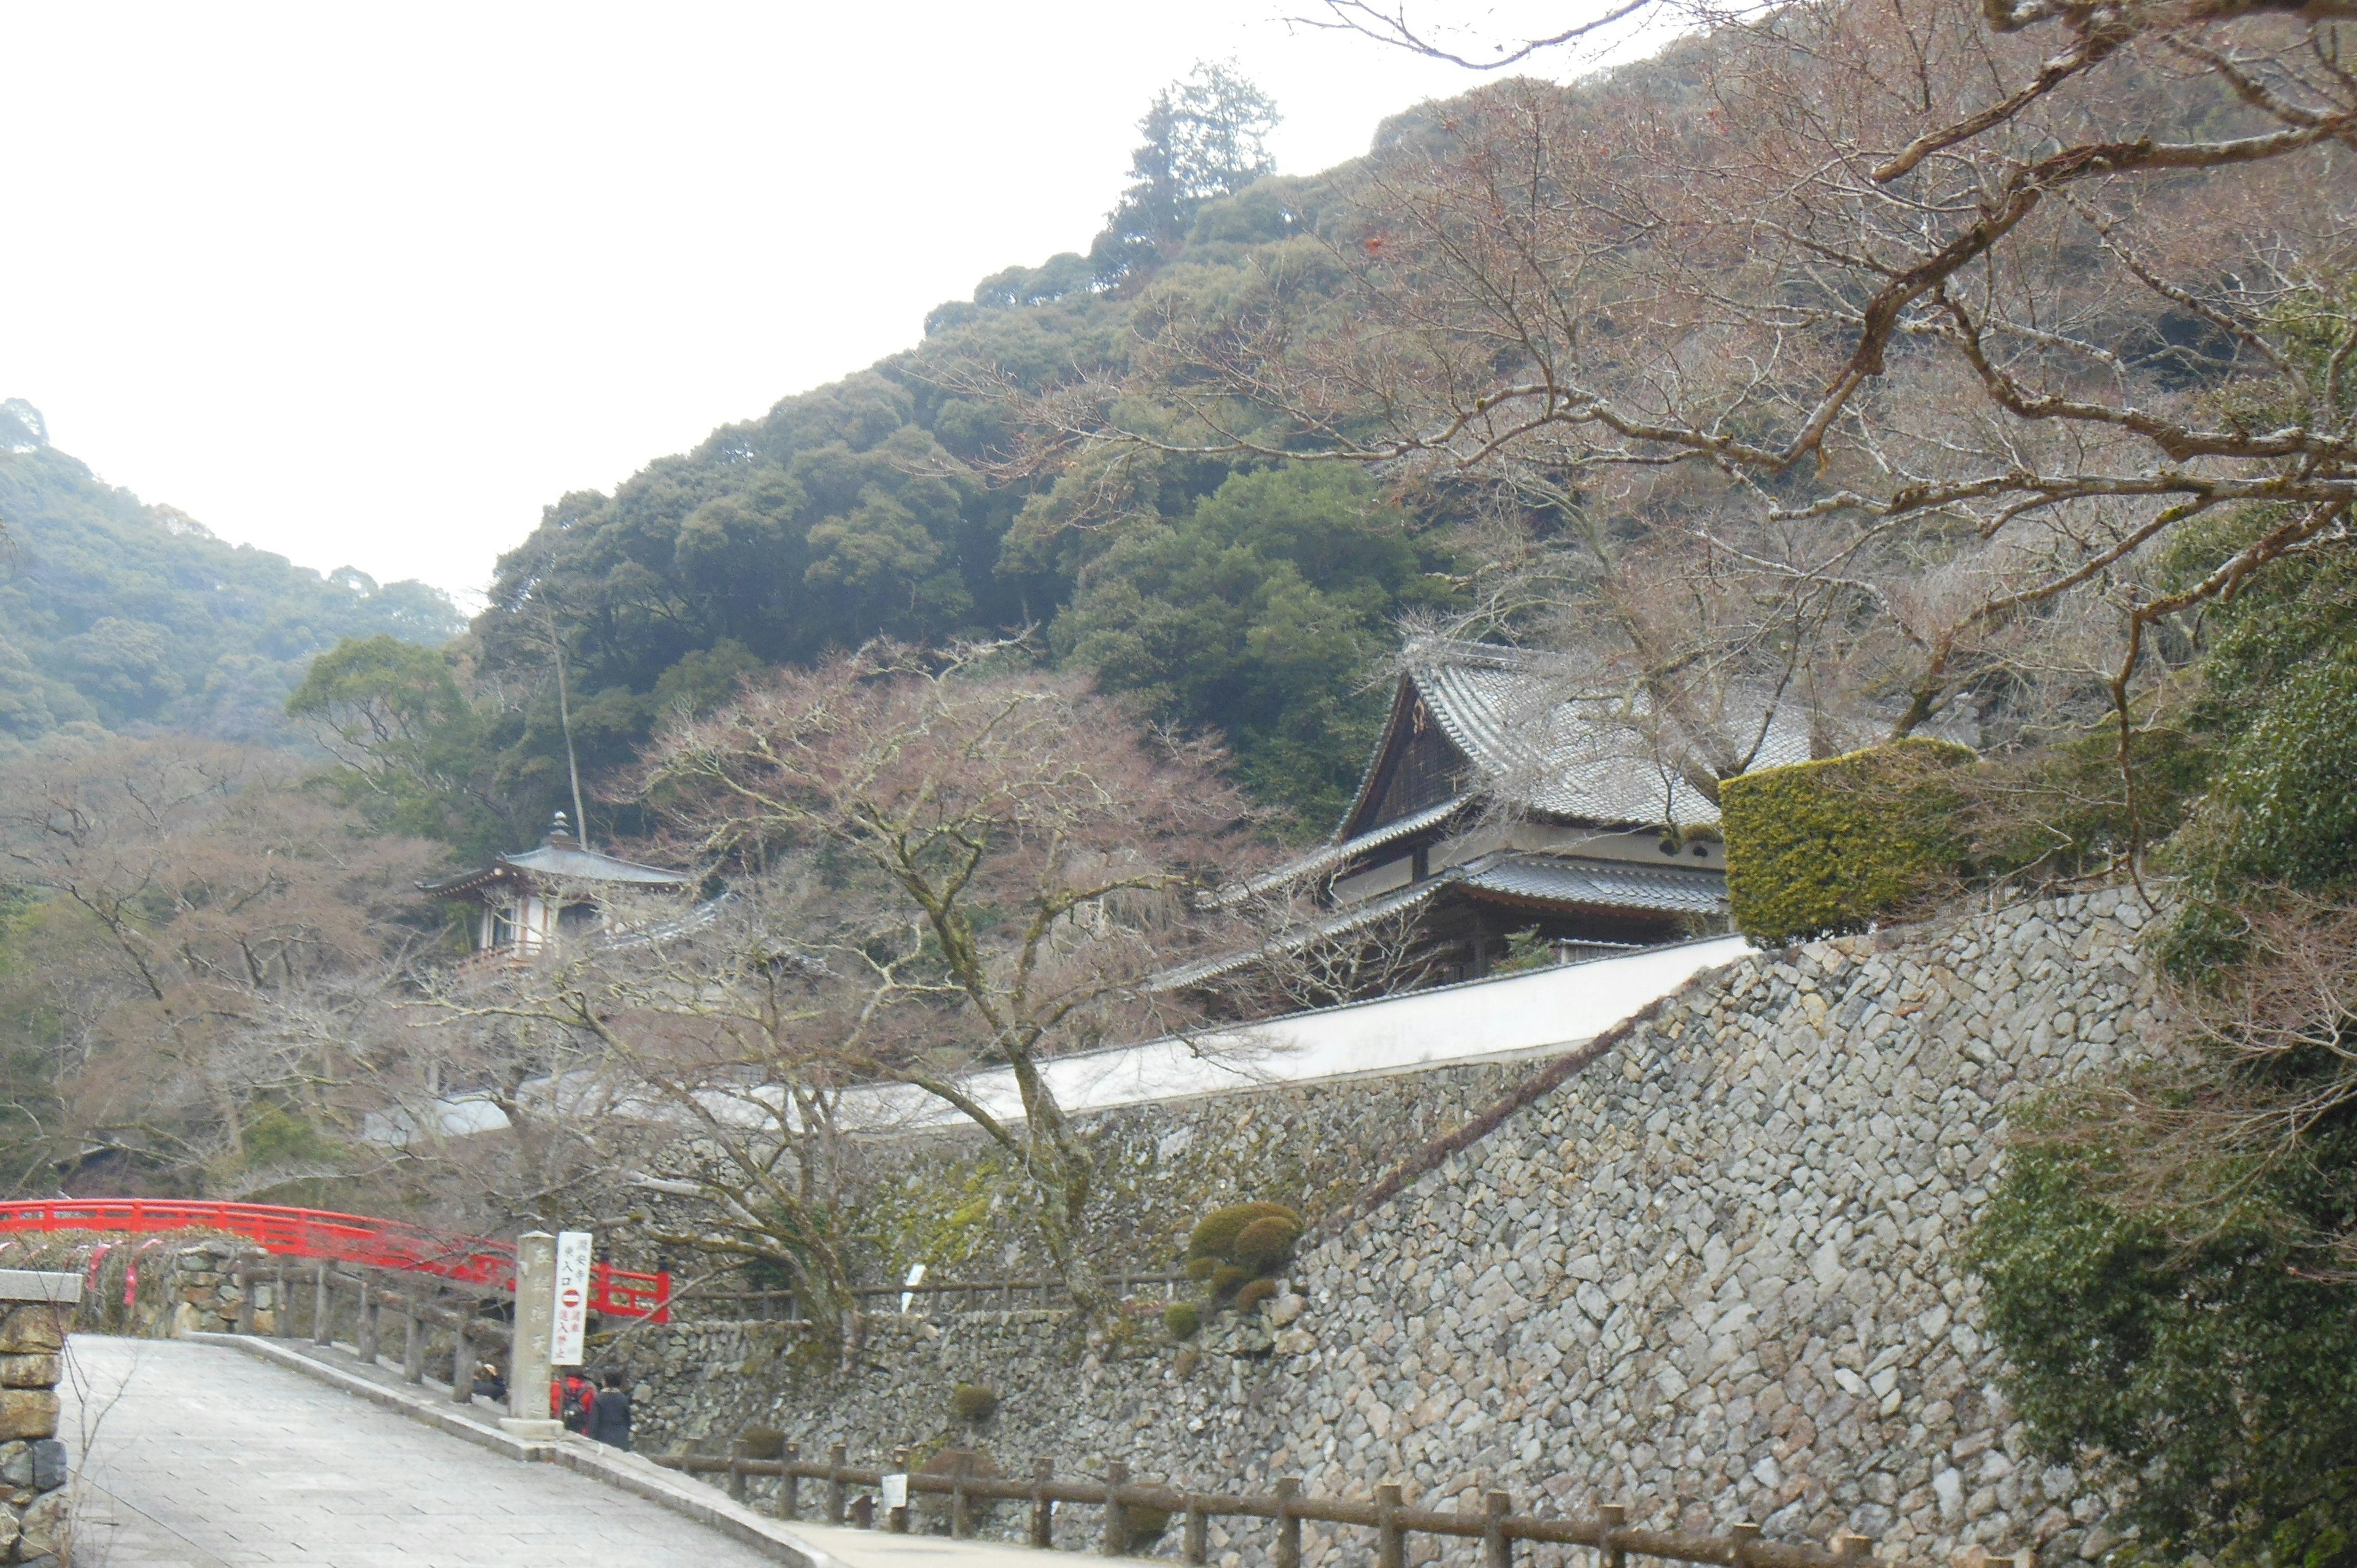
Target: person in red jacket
x=570 y=1400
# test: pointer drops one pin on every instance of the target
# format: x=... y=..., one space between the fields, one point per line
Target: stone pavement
x=200 y=1457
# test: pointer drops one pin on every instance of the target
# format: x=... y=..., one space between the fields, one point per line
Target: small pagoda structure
x=529 y=900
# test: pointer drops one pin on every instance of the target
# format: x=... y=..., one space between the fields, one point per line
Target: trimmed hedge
x=1823 y=848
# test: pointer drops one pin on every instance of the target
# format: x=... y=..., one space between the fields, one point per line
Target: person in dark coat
x=610 y=1417
x=489 y=1384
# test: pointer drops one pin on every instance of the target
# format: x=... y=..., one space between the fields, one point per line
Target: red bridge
x=338 y=1239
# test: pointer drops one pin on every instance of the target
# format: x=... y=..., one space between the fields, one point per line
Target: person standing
x=610 y=1417
x=571 y=1398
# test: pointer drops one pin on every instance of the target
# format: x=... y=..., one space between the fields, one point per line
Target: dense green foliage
x=1833 y=845
x=2179 y=1300
x=119 y=616
x=2221 y=1371
x=2277 y=710
x=1261 y=613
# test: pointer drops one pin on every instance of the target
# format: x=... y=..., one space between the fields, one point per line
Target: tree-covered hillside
x=1227 y=596
x=125 y=616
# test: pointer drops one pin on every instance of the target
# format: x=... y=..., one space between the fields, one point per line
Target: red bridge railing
x=337 y=1238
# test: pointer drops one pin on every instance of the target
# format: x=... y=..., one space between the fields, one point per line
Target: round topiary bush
x=1264 y=1245
x=1200 y=1269
x=1183 y=1319
x=1254 y=1293
x=1227 y=1277
x=1215 y=1234
x=973 y=1402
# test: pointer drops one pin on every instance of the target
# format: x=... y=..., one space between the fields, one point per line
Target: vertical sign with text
x=564 y=1336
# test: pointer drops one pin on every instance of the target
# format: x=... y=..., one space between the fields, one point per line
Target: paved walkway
x=200 y=1456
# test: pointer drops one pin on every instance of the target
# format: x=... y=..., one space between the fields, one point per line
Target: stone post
x=364 y=1331
x=34 y=1310
x=413 y=1337
x=322 y=1308
x=462 y=1355
x=535 y=1316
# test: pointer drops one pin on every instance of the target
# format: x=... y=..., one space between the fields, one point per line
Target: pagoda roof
x=558 y=861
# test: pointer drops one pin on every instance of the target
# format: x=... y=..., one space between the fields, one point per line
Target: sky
x=369 y=285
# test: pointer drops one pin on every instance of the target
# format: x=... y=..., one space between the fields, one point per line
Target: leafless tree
x=1029 y=858
x=696 y=1055
x=203 y=934
x=1903 y=357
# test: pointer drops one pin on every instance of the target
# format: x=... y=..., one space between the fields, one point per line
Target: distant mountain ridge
x=119 y=616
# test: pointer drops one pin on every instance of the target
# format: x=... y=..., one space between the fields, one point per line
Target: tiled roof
x=1600 y=759
x=1318 y=862
x=560 y=863
x=1599 y=886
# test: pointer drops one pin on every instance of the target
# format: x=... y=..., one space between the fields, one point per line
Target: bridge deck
x=200 y=1456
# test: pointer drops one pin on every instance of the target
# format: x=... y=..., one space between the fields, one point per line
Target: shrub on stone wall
x=1265 y=1242
x=973 y=1402
x=1253 y=1293
x=1183 y=1319
x=1216 y=1234
x=1828 y=847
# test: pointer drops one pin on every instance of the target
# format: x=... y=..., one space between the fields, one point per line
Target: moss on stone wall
x=1828 y=847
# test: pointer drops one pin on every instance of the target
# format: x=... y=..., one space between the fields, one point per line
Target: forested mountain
x=1228 y=595
x=119 y=616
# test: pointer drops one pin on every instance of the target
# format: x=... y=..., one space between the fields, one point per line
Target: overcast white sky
x=368 y=284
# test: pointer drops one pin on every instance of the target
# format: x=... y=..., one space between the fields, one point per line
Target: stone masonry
x=34 y=1309
x=1712 y=1276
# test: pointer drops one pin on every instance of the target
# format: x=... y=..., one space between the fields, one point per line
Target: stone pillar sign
x=34 y=1311
x=536 y=1317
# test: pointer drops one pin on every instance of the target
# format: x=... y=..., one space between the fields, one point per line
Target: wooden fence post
x=1389 y=1551
x=1496 y=1551
x=1615 y=1518
x=1289 y=1524
x=462 y=1357
x=1195 y=1546
x=243 y=1277
x=836 y=1488
x=897 y=1520
x=413 y=1344
x=1745 y=1534
x=1851 y=1548
x=322 y=1325
x=739 y=1450
x=790 y=1485
x=1114 y=1541
x=961 y=1513
x=1043 y=1507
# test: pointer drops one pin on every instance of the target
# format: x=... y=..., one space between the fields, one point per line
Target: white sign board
x=572 y=1299
x=896 y=1490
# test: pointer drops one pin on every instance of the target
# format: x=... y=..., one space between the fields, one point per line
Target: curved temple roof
x=1535 y=741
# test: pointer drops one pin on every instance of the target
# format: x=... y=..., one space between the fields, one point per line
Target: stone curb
x=612 y=1468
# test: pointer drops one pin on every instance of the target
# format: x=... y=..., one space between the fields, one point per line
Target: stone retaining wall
x=1711 y=1277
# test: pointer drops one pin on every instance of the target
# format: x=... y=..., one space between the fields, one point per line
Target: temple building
x=529 y=900
x=1500 y=820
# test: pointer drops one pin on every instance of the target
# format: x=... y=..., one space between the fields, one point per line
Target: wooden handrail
x=1741 y=1548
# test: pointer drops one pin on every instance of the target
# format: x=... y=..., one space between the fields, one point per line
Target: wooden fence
x=1120 y=1503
